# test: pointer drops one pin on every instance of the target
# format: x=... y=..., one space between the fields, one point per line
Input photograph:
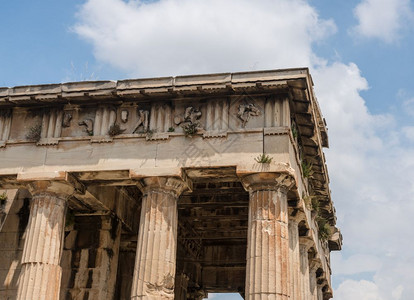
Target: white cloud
x=382 y=19
x=408 y=106
x=361 y=290
x=371 y=172
x=196 y=36
x=408 y=132
x=355 y=264
x=371 y=179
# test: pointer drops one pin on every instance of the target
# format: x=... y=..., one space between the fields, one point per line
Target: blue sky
x=360 y=53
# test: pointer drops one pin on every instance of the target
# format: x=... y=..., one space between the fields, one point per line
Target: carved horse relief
x=246 y=111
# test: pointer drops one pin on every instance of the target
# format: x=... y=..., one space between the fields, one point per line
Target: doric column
x=313 y=282
x=41 y=273
x=304 y=269
x=320 y=292
x=294 y=256
x=267 y=266
x=157 y=239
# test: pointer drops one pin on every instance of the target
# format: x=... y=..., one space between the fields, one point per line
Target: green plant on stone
x=34 y=133
x=308 y=201
x=3 y=200
x=115 y=129
x=324 y=230
x=294 y=131
x=3 y=196
x=190 y=129
x=311 y=202
x=307 y=169
x=315 y=204
x=171 y=129
x=263 y=159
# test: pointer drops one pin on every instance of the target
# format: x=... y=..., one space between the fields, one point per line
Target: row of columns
x=277 y=265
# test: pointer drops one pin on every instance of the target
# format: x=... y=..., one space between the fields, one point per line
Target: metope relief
x=189 y=121
x=141 y=125
x=88 y=126
x=67 y=118
x=124 y=115
x=246 y=111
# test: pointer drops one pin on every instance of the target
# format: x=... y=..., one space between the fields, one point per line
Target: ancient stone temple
x=166 y=188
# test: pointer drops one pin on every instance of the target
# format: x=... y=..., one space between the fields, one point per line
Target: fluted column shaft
x=155 y=261
x=304 y=269
x=320 y=293
x=267 y=266
x=41 y=273
x=294 y=255
x=313 y=284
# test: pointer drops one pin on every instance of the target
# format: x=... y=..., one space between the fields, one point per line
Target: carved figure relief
x=124 y=116
x=88 y=123
x=191 y=115
x=246 y=111
x=67 y=117
x=190 y=121
x=142 y=121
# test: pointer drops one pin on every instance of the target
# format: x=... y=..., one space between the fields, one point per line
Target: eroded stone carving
x=88 y=123
x=124 y=116
x=142 y=121
x=165 y=288
x=191 y=115
x=190 y=121
x=67 y=117
x=115 y=129
x=246 y=111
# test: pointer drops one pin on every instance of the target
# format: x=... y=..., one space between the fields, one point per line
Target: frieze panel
x=5 y=123
x=154 y=121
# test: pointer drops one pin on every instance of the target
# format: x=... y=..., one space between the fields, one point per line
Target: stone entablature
x=103 y=137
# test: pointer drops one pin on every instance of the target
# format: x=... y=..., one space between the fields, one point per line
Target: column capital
x=62 y=189
x=267 y=181
x=306 y=243
x=314 y=264
x=173 y=185
x=295 y=215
